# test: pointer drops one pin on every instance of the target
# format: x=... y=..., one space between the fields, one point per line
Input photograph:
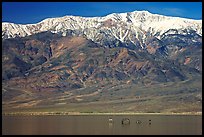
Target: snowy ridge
x=128 y=27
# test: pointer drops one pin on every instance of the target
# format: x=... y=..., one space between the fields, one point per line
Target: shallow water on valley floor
x=102 y=125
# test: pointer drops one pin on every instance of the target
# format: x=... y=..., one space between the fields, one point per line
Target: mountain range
x=122 y=62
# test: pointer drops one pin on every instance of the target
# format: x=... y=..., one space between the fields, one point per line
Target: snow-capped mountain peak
x=129 y=27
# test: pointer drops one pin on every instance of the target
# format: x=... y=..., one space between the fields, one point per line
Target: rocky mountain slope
x=82 y=60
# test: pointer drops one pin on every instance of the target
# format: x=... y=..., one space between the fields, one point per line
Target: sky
x=34 y=12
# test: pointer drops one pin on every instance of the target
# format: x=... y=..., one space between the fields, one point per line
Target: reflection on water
x=108 y=125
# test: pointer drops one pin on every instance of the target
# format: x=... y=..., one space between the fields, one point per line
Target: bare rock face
x=69 y=54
